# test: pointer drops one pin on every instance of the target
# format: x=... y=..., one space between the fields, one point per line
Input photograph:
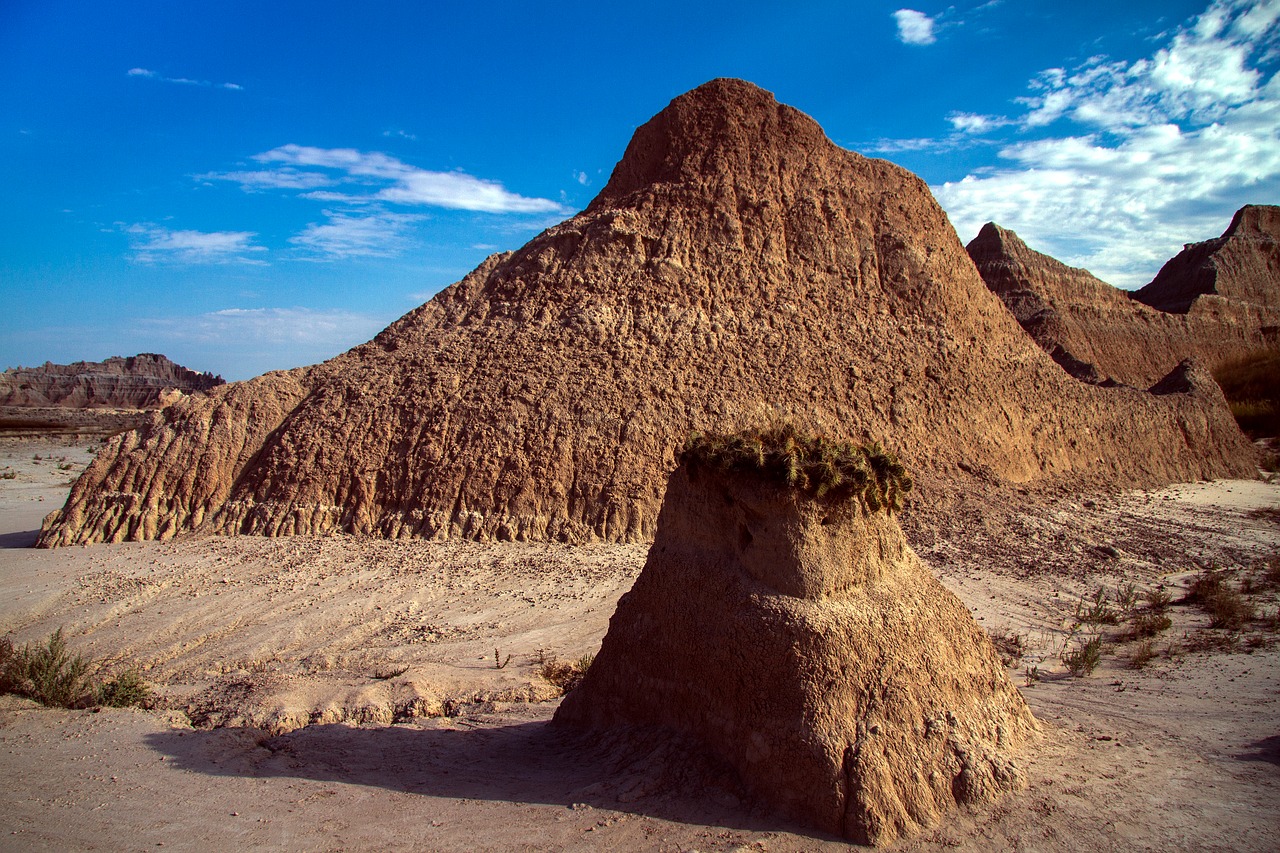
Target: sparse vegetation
x=126 y=690
x=815 y=465
x=1011 y=646
x=51 y=675
x=1084 y=658
x=1212 y=592
x=1148 y=624
x=498 y=662
x=1252 y=388
x=1142 y=655
x=563 y=674
x=47 y=673
x=1096 y=610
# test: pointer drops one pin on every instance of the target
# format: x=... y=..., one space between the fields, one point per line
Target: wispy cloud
x=378 y=177
x=377 y=234
x=1113 y=165
x=268 y=325
x=156 y=244
x=914 y=27
x=183 y=81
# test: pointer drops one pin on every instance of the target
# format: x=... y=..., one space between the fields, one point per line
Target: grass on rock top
x=814 y=465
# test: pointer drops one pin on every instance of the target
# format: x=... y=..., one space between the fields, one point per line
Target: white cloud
x=974 y=123
x=387 y=179
x=267 y=326
x=914 y=27
x=344 y=235
x=271 y=179
x=582 y=178
x=1156 y=152
x=183 y=81
x=157 y=244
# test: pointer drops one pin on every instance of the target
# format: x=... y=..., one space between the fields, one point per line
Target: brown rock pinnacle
x=737 y=263
x=802 y=642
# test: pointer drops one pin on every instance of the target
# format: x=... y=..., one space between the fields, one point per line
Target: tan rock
x=1216 y=301
x=737 y=263
x=803 y=642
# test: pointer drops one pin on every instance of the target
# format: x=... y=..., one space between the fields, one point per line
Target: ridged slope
x=1098 y=332
x=738 y=263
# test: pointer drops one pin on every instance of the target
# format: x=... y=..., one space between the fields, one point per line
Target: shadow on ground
x=19 y=539
x=641 y=773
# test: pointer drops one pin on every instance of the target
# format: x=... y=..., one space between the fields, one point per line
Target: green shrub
x=1097 y=610
x=125 y=690
x=1158 y=599
x=1084 y=659
x=47 y=673
x=815 y=465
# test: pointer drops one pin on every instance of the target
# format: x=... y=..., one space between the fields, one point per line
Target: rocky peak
x=1242 y=265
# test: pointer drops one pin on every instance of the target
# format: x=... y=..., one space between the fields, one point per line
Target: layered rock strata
x=801 y=641
x=736 y=263
x=1215 y=301
x=142 y=381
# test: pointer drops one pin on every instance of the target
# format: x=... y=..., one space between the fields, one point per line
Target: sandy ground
x=342 y=694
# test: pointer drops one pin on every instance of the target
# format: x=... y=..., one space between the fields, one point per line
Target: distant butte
x=138 y=382
x=1214 y=301
x=738 y=264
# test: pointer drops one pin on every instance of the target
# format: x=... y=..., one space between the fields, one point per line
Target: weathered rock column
x=801 y=640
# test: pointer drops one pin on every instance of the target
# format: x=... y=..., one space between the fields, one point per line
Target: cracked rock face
x=804 y=644
x=737 y=263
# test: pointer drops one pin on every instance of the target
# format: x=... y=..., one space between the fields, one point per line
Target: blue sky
x=248 y=186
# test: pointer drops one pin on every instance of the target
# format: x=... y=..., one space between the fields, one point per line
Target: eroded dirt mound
x=807 y=646
x=737 y=263
x=1098 y=332
x=142 y=381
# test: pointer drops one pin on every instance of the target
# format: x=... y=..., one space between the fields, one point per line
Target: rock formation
x=802 y=642
x=737 y=262
x=1215 y=301
x=143 y=381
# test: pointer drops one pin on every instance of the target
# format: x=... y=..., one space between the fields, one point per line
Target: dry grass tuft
x=816 y=465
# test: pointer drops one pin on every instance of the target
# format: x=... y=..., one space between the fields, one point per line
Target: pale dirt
x=1182 y=755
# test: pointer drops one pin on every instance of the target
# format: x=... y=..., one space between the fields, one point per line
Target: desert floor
x=343 y=694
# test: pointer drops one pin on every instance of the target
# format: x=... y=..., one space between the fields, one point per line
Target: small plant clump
x=51 y=675
x=815 y=465
x=1097 y=610
x=1227 y=608
x=47 y=673
x=1083 y=659
x=1142 y=655
x=124 y=691
x=565 y=675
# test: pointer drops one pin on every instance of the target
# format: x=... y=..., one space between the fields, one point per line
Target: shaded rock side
x=737 y=263
x=142 y=381
x=803 y=643
x=1099 y=333
x=1241 y=266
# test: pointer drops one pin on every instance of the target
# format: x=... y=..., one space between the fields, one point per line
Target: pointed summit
x=1243 y=265
x=737 y=264
x=724 y=127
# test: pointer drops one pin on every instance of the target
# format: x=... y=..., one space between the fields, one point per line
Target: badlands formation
x=386 y=691
x=142 y=381
x=794 y=632
x=738 y=264
x=1216 y=301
